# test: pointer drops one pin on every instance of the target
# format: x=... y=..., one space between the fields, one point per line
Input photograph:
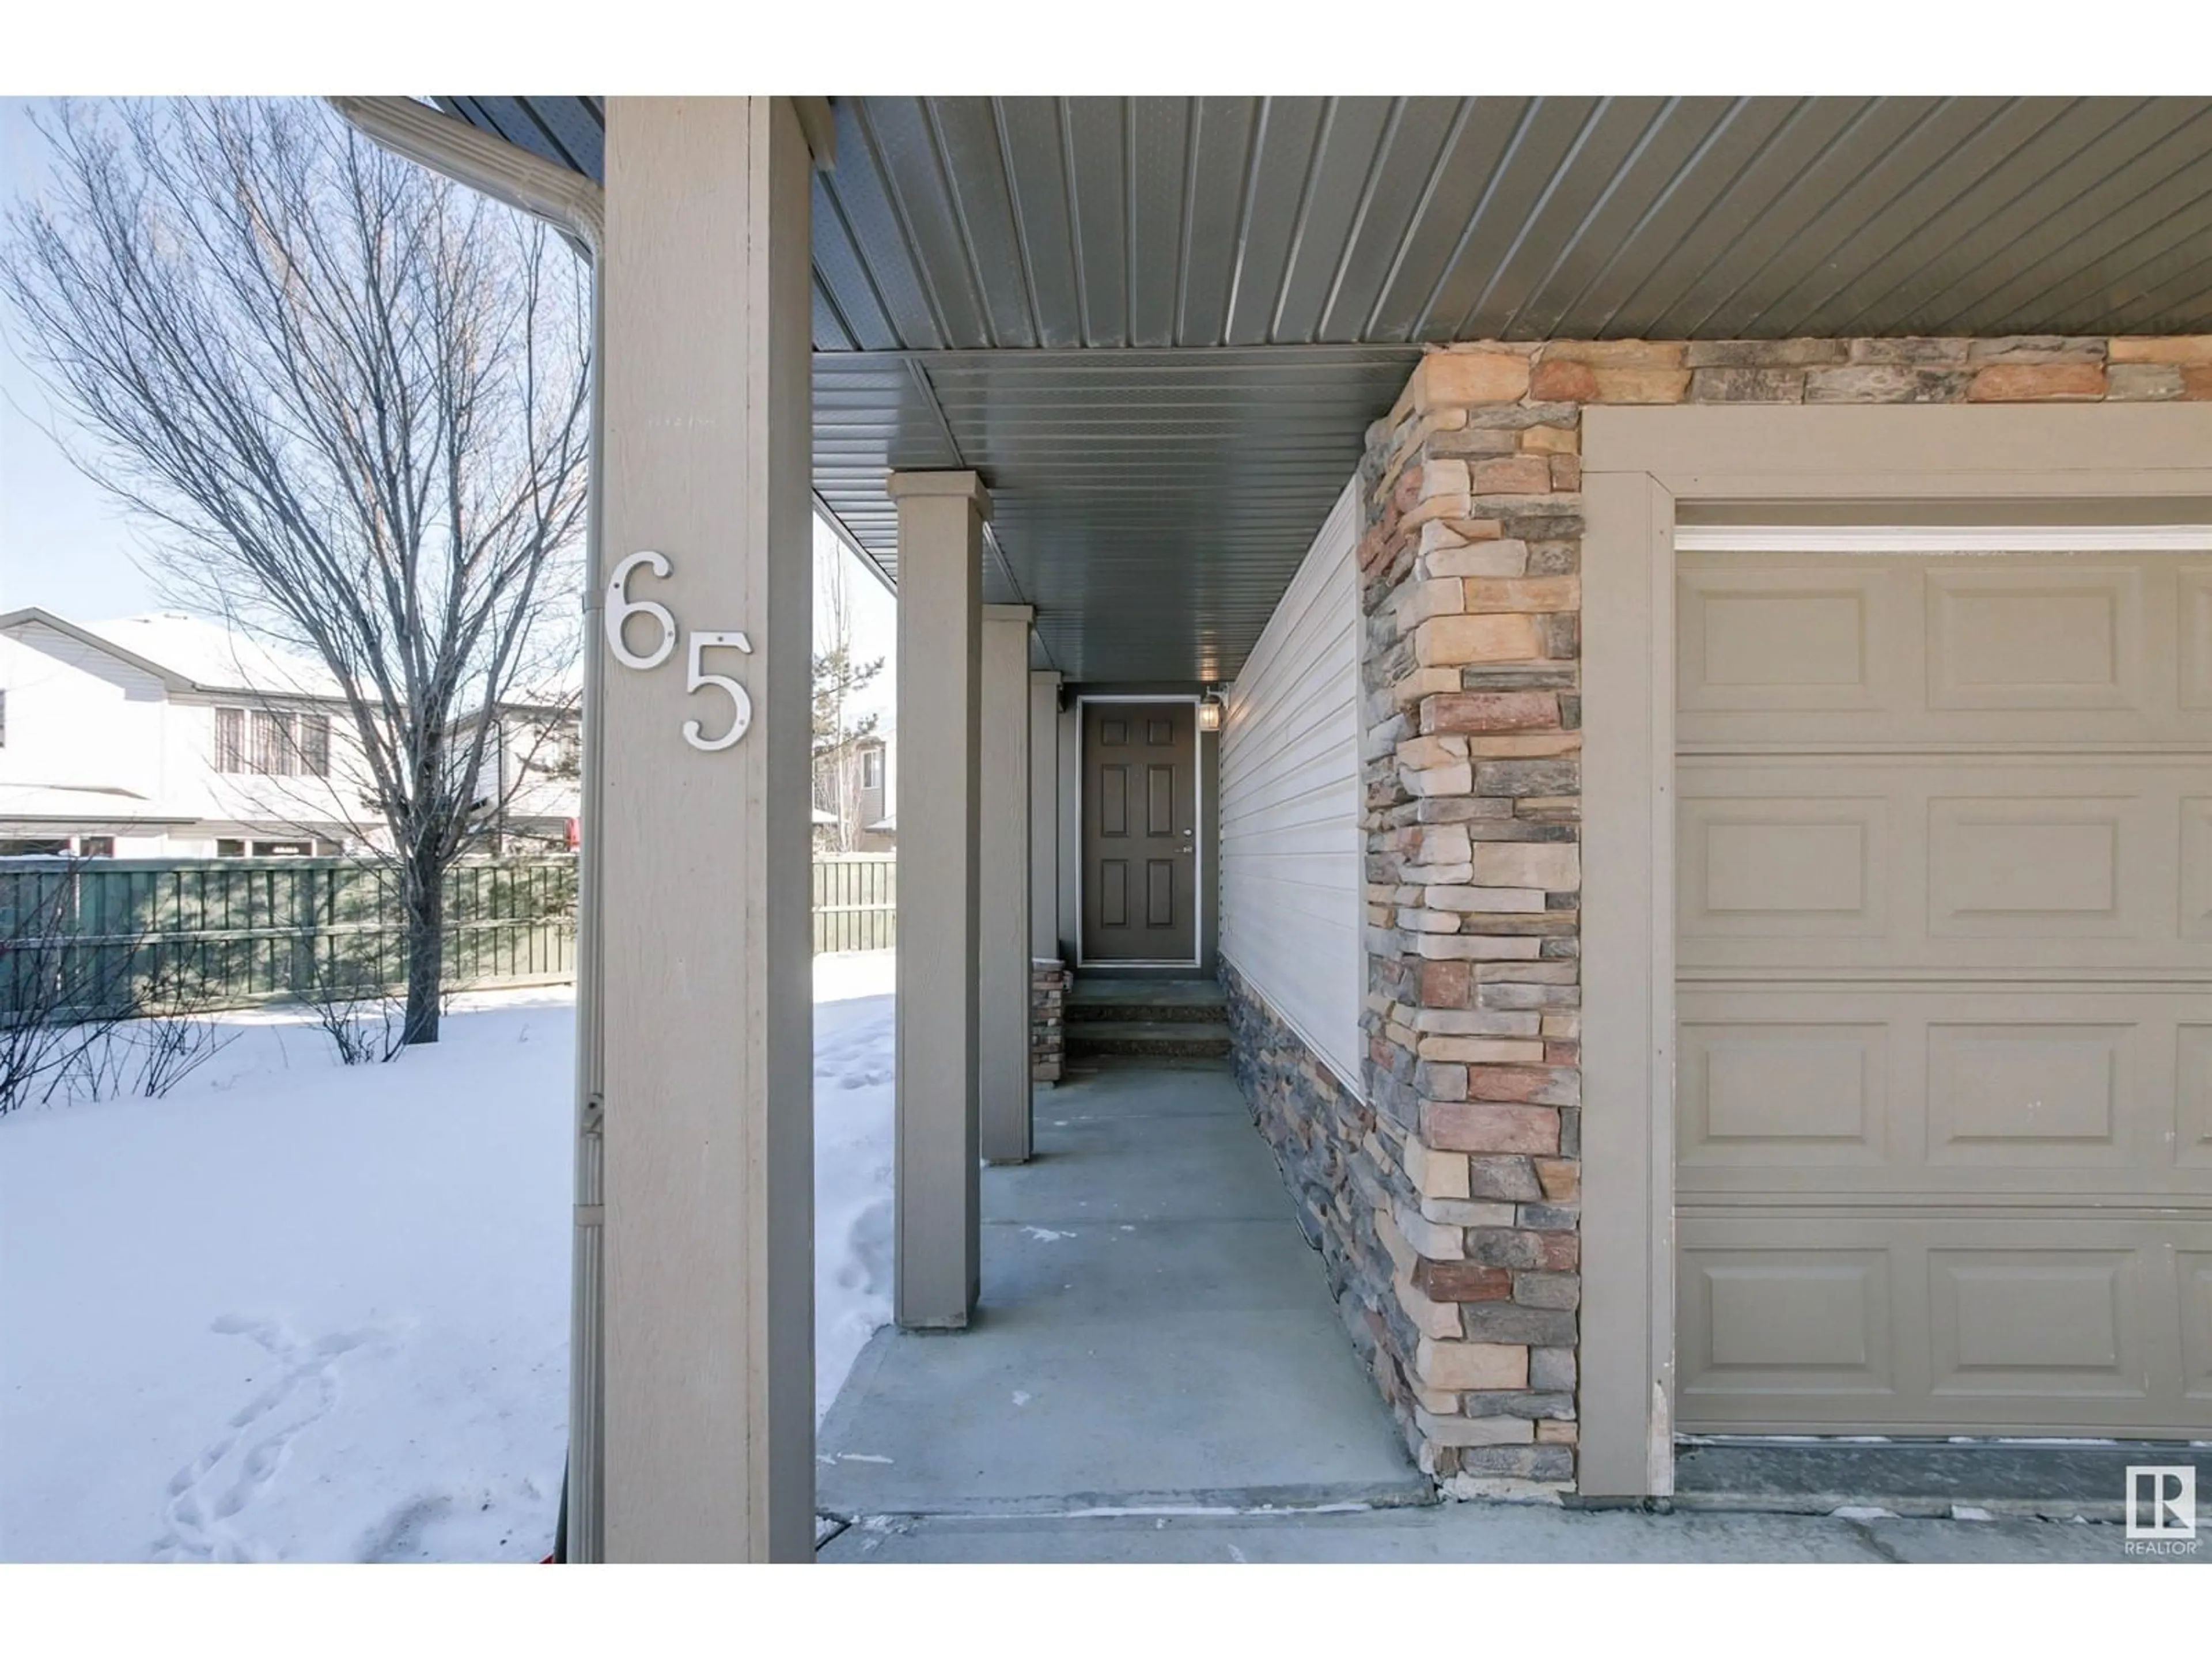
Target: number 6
x=741 y=706
x=621 y=608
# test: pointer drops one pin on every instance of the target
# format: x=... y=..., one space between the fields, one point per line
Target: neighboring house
x=875 y=761
x=859 y=786
x=168 y=736
x=530 y=780
x=1709 y=843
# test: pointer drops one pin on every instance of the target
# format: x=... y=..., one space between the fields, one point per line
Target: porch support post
x=1044 y=814
x=1003 y=985
x=703 y=927
x=937 y=1269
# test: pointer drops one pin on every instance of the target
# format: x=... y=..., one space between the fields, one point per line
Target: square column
x=937 y=1193
x=1003 y=985
x=702 y=937
x=1044 y=814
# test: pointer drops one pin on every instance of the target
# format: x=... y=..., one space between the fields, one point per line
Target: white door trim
x=1201 y=840
x=1927 y=539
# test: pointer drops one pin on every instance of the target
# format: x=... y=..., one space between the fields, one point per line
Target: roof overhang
x=1158 y=327
x=33 y=616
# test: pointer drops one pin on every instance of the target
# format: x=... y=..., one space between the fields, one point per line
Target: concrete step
x=1180 y=1001
x=1202 y=1038
x=1119 y=1013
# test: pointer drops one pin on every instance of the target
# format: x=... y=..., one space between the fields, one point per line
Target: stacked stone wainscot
x=1048 y=982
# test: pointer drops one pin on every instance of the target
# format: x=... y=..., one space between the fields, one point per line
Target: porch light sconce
x=1209 y=711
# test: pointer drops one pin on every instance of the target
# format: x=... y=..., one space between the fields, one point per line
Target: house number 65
x=620 y=608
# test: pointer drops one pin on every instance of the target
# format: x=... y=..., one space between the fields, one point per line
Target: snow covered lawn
x=303 y=1312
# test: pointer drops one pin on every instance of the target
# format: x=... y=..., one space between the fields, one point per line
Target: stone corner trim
x=1466 y=1172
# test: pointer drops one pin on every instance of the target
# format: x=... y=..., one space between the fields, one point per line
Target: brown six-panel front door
x=1139 y=832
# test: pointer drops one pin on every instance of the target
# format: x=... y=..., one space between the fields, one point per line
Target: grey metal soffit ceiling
x=1089 y=300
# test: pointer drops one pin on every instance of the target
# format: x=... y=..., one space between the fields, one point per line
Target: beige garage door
x=1944 y=913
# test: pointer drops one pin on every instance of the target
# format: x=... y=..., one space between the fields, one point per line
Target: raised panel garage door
x=1944 y=945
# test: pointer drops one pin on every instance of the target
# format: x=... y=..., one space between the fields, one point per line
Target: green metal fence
x=855 y=902
x=227 y=933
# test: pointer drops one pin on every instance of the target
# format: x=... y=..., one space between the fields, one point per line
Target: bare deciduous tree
x=351 y=398
x=839 y=678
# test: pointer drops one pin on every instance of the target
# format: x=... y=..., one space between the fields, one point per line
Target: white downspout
x=577 y=206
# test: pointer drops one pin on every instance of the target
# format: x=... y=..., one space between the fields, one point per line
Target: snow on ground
x=853 y=1012
x=306 y=1312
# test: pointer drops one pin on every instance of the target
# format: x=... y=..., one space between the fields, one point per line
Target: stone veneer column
x=1470 y=588
x=1471 y=592
x=1048 y=978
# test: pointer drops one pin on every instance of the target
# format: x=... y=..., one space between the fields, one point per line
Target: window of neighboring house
x=19 y=849
x=315 y=744
x=230 y=739
x=229 y=848
x=283 y=849
x=95 y=846
x=3 y=719
x=872 y=769
x=273 y=742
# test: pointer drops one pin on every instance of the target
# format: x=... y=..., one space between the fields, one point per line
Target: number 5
x=741 y=706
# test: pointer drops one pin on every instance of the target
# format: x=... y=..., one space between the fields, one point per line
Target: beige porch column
x=1044 y=814
x=937 y=1272
x=702 y=920
x=1002 y=1014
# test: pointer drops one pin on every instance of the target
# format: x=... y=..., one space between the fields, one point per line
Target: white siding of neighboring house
x=281 y=805
x=81 y=717
x=86 y=735
x=78 y=717
x=1290 y=805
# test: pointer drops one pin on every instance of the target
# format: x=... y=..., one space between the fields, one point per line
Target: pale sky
x=62 y=543
x=64 y=546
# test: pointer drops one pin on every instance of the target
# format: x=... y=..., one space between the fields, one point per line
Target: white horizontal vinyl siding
x=1290 y=805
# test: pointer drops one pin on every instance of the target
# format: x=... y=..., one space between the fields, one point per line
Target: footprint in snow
x=235 y=1469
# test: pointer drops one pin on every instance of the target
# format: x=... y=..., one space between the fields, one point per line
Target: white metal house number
x=620 y=608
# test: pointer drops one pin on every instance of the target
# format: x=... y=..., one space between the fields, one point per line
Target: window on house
x=230 y=739
x=273 y=742
x=315 y=745
x=227 y=847
x=3 y=719
x=95 y=846
x=283 y=849
x=872 y=769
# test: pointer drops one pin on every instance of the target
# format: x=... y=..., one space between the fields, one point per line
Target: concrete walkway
x=1157 y=1337
x=1154 y=1331
x=1476 y=1532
